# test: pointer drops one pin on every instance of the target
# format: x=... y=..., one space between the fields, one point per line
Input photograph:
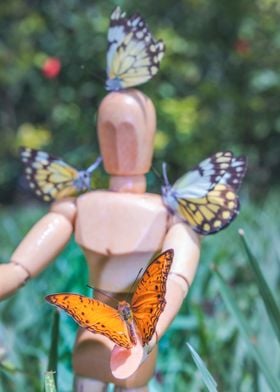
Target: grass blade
x=265 y=292
x=207 y=378
x=246 y=332
x=53 y=353
x=50 y=382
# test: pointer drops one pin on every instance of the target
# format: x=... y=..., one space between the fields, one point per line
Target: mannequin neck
x=129 y=184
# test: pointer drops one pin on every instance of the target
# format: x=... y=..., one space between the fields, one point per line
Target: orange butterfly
x=121 y=324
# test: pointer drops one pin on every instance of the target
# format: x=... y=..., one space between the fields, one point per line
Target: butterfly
x=121 y=324
x=50 y=178
x=206 y=197
x=133 y=55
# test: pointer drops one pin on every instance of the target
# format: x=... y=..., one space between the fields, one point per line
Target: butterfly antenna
x=95 y=165
x=103 y=293
x=164 y=174
x=99 y=79
x=157 y=173
x=134 y=283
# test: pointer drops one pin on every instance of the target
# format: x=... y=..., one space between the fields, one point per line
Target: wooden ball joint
x=119 y=231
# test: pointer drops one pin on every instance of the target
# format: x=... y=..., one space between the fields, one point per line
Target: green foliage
x=247 y=333
x=270 y=303
x=204 y=321
x=53 y=352
x=50 y=382
x=207 y=378
x=217 y=89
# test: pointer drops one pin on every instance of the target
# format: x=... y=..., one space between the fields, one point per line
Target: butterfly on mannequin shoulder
x=206 y=197
x=122 y=324
x=50 y=178
x=133 y=55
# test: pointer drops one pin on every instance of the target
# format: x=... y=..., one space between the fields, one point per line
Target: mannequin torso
x=119 y=232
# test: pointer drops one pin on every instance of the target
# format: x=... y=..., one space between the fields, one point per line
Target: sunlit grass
x=204 y=320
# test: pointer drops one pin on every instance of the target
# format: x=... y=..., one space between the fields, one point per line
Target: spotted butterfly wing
x=93 y=315
x=206 y=196
x=120 y=325
x=148 y=301
x=235 y=173
x=50 y=178
x=133 y=55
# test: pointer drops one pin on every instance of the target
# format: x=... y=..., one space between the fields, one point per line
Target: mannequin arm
x=41 y=245
x=186 y=245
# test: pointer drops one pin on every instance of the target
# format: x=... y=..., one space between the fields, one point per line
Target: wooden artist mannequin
x=119 y=231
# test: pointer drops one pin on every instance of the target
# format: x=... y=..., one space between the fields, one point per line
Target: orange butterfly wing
x=148 y=300
x=93 y=315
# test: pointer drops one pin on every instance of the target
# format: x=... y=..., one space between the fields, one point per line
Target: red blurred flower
x=242 y=46
x=51 y=67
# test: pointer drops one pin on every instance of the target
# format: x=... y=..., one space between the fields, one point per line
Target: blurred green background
x=218 y=88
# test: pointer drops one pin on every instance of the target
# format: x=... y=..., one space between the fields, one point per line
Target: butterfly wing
x=212 y=212
x=148 y=300
x=199 y=180
x=93 y=315
x=50 y=178
x=206 y=196
x=133 y=55
x=235 y=173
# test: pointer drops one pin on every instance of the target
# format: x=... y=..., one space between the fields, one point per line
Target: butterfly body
x=126 y=313
x=205 y=197
x=133 y=55
x=50 y=178
x=82 y=182
x=124 y=324
x=114 y=83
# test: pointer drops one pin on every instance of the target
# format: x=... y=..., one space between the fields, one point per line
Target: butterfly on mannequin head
x=133 y=55
x=50 y=178
x=206 y=196
x=122 y=324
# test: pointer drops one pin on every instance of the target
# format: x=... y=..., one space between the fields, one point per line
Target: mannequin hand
x=125 y=362
x=148 y=348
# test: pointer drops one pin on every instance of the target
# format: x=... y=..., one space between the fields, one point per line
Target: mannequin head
x=126 y=127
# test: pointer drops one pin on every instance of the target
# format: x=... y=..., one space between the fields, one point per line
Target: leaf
x=53 y=353
x=50 y=382
x=246 y=332
x=207 y=378
x=265 y=292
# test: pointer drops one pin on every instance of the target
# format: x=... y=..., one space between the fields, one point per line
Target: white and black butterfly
x=133 y=55
x=51 y=178
x=206 y=197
